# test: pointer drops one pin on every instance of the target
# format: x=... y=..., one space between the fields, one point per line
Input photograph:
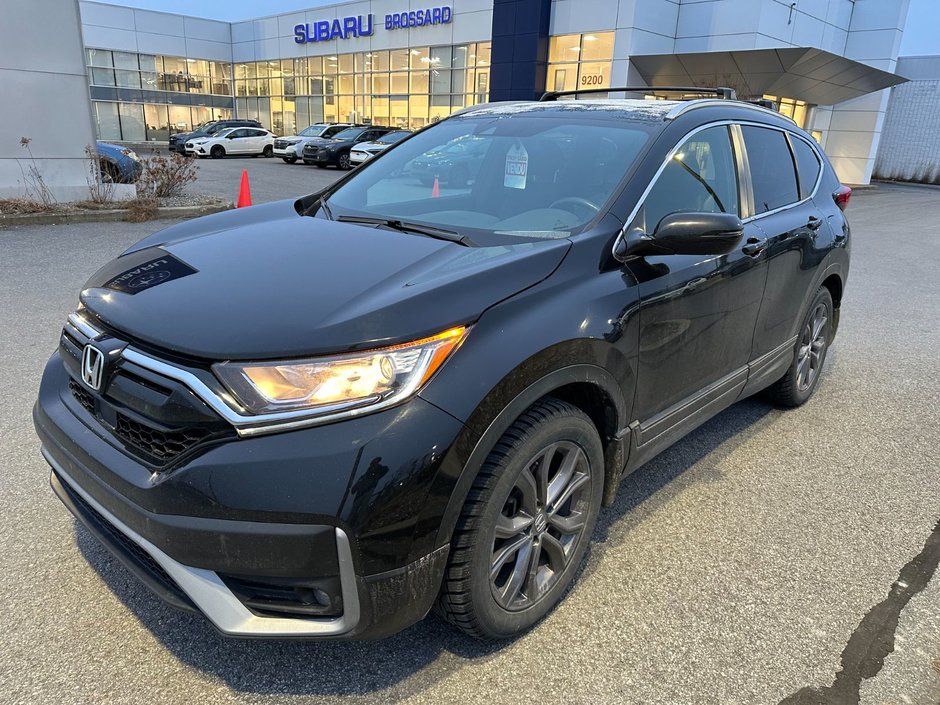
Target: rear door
x=797 y=236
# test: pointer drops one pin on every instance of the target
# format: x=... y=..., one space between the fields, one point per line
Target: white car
x=366 y=150
x=234 y=140
x=291 y=148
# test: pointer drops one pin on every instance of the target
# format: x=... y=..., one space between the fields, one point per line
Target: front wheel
x=526 y=524
x=289 y=160
x=217 y=152
x=343 y=161
x=801 y=380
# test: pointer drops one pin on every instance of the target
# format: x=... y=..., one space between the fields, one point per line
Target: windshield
x=350 y=133
x=526 y=176
x=312 y=131
x=222 y=132
x=392 y=137
x=212 y=129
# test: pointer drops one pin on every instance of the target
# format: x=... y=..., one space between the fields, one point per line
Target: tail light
x=842 y=196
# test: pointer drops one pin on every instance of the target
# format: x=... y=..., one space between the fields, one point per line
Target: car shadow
x=432 y=647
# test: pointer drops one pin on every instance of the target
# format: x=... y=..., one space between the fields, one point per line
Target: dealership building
x=828 y=64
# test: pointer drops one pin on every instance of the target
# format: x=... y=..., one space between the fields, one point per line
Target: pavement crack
x=873 y=639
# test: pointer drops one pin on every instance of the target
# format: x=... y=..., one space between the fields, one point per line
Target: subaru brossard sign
x=364 y=25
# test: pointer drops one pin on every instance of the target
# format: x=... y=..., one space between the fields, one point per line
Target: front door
x=697 y=312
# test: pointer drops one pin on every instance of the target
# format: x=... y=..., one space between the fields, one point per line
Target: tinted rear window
x=807 y=166
x=772 y=172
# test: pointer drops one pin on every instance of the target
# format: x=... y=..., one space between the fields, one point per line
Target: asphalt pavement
x=771 y=556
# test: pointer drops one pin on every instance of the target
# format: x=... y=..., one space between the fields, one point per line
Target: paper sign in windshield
x=517 y=166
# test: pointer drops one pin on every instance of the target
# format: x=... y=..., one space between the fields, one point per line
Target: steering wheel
x=576 y=201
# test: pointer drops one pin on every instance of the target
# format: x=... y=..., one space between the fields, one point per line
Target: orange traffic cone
x=436 y=189
x=244 y=191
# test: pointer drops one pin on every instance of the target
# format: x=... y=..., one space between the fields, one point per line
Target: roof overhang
x=803 y=73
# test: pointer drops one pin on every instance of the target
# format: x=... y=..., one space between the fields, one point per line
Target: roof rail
x=724 y=93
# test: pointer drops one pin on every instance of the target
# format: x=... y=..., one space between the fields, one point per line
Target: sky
x=920 y=34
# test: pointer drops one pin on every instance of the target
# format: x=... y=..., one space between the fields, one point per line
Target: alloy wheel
x=812 y=348
x=540 y=525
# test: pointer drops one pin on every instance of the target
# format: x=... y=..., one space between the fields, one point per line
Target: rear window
x=772 y=173
x=807 y=166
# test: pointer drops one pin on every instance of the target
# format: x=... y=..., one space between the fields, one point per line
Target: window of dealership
x=142 y=97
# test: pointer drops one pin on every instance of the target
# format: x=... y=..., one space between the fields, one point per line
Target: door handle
x=754 y=246
x=814 y=223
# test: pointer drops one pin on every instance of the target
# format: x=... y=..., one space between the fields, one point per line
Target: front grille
x=162 y=445
x=128 y=547
x=280 y=144
x=82 y=396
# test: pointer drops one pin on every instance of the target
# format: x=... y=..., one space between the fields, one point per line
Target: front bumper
x=334 y=508
x=286 y=152
x=319 y=157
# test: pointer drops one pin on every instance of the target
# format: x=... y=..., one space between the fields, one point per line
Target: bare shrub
x=19 y=206
x=100 y=183
x=141 y=209
x=33 y=182
x=164 y=177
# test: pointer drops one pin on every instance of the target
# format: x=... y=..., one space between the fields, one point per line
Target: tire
x=217 y=151
x=268 y=151
x=509 y=493
x=342 y=161
x=801 y=379
x=320 y=166
x=289 y=160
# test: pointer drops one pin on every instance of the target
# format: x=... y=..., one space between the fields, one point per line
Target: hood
x=266 y=283
x=317 y=141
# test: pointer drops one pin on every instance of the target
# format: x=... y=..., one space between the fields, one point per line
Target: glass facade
x=406 y=88
x=580 y=61
x=797 y=110
x=144 y=97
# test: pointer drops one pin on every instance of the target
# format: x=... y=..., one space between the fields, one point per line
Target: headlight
x=375 y=378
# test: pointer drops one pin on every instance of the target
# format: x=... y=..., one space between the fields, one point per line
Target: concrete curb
x=109 y=215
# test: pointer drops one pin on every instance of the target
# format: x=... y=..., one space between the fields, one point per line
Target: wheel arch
x=587 y=386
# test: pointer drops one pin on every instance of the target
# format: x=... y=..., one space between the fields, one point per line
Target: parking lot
x=771 y=556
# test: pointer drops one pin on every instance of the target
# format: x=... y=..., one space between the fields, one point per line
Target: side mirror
x=684 y=234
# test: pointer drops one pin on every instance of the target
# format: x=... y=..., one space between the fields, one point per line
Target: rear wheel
x=217 y=151
x=801 y=380
x=526 y=524
x=268 y=151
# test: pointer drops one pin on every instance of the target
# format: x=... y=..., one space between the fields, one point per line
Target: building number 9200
x=595 y=80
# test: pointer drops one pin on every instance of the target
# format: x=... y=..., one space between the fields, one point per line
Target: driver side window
x=700 y=178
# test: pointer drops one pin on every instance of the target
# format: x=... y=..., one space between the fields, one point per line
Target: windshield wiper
x=326 y=209
x=394 y=224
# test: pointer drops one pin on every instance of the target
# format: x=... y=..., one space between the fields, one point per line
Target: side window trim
x=791 y=138
x=742 y=175
x=745 y=187
x=787 y=135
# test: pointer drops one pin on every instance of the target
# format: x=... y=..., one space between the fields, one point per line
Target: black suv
x=324 y=417
x=335 y=150
x=178 y=141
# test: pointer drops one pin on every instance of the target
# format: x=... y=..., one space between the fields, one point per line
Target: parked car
x=233 y=140
x=120 y=165
x=178 y=140
x=323 y=417
x=291 y=148
x=335 y=151
x=366 y=150
x=454 y=164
